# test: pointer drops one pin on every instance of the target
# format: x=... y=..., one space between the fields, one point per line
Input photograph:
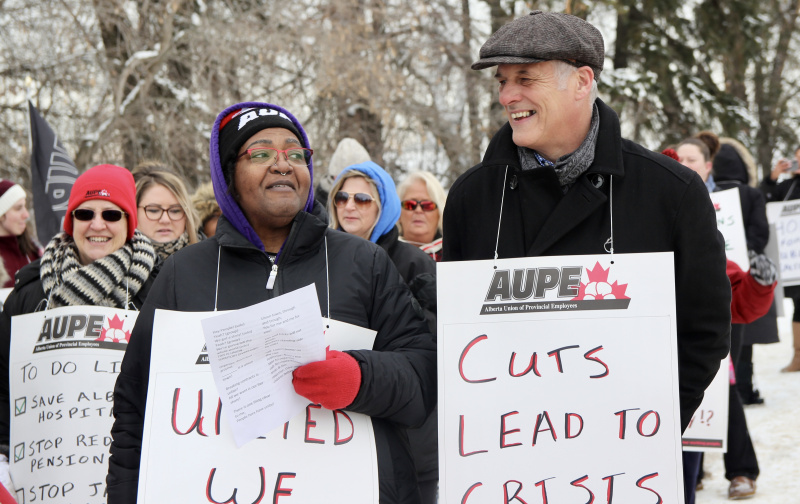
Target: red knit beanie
x=104 y=182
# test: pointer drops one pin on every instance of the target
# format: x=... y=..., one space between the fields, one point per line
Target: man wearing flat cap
x=558 y=179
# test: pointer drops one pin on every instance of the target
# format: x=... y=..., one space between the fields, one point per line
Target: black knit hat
x=239 y=125
x=544 y=36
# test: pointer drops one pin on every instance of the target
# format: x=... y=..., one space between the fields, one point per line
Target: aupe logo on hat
x=247 y=115
x=94 y=193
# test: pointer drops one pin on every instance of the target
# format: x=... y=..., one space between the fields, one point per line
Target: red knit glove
x=333 y=383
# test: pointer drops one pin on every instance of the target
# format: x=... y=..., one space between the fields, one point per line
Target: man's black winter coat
x=658 y=206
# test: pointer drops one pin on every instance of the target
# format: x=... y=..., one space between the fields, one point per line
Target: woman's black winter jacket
x=397 y=377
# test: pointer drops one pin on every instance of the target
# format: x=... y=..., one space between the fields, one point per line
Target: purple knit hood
x=230 y=208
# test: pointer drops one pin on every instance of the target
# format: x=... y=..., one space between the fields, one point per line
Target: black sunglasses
x=85 y=214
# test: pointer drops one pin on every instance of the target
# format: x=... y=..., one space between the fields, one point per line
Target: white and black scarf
x=112 y=280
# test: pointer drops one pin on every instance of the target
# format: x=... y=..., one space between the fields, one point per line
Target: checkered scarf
x=112 y=280
x=166 y=249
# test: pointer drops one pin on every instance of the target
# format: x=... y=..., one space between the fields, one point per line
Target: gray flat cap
x=544 y=36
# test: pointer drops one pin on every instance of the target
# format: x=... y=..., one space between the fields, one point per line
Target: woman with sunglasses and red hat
x=99 y=260
x=422 y=202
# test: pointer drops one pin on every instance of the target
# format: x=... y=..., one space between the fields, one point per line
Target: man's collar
x=542 y=161
x=608 y=153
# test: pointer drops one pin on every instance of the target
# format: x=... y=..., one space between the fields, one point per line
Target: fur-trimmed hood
x=729 y=166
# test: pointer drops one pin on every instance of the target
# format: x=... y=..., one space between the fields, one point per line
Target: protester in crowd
x=100 y=259
x=365 y=203
x=752 y=295
x=786 y=190
x=17 y=247
x=165 y=213
x=348 y=152
x=269 y=236
x=552 y=178
x=208 y=212
x=422 y=203
x=741 y=464
x=734 y=167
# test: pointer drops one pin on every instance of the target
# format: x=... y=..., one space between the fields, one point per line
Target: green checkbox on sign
x=20 y=406
x=19 y=452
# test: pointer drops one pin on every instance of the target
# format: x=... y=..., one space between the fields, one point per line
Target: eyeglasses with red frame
x=296 y=156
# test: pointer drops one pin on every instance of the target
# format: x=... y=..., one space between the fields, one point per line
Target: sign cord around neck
x=216 y=288
x=500 y=218
x=327 y=279
x=609 y=244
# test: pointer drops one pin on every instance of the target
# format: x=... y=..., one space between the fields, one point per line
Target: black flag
x=52 y=172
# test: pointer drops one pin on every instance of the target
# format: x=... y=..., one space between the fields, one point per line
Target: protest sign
x=708 y=429
x=188 y=449
x=771 y=251
x=730 y=223
x=558 y=380
x=785 y=216
x=62 y=369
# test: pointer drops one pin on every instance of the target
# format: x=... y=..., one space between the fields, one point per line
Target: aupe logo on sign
x=553 y=289
x=84 y=330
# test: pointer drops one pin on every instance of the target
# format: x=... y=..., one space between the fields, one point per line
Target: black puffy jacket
x=397 y=377
x=418 y=270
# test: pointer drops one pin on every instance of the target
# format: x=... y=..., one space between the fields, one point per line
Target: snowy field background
x=774 y=428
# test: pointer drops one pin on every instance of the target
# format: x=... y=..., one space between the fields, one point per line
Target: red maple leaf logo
x=598 y=287
x=717 y=207
x=115 y=328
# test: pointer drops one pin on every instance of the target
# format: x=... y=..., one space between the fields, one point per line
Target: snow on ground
x=774 y=428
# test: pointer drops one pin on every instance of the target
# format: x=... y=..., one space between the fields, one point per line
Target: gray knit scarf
x=112 y=280
x=571 y=166
x=166 y=249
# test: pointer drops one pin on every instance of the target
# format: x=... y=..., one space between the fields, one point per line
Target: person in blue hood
x=272 y=239
x=364 y=202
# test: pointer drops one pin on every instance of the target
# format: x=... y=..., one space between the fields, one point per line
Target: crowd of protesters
x=557 y=179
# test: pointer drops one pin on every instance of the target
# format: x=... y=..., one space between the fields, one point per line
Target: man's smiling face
x=539 y=108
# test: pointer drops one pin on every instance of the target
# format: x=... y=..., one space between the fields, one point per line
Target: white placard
x=318 y=456
x=558 y=380
x=63 y=366
x=708 y=429
x=785 y=215
x=731 y=224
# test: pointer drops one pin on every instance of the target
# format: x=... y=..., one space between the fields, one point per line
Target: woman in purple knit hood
x=269 y=241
